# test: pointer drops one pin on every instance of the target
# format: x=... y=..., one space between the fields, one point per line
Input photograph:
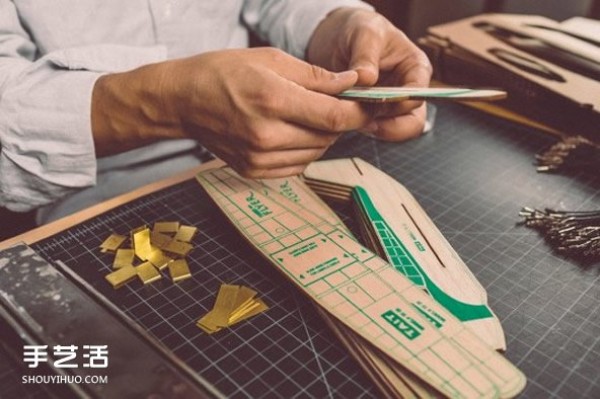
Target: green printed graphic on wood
x=358 y=287
x=407 y=326
x=404 y=262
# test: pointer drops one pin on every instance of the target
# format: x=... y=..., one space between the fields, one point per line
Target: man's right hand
x=264 y=112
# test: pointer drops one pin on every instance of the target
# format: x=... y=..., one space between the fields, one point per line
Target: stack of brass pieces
x=163 y=247
x=234 y=303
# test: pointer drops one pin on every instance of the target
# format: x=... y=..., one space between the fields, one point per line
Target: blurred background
x=414 y=16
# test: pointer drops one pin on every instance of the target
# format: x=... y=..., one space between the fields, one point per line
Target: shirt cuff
x=45 y=125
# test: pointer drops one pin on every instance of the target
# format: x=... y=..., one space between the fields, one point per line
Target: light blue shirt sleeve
x=47 y=149
x=289 y=24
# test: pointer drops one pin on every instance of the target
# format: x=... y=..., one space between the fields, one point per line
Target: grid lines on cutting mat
x=283 y=352
x=472 y=175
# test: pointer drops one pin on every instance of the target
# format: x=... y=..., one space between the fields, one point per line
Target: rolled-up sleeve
x=289 y=24
x=47 y=147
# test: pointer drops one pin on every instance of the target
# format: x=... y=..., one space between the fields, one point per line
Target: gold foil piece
x=123 y=258
x=245 y=296
x=226 y=299
x=179 y=270
x=259 y=307
x=166 y=227
x=148 y=273
x=121 y=277
x=159 y=259
x=186 y=233
x=233 y=304
x=207 y=325
x=179 y=248
x=141 y=242
x=160 y=240
x=238 y=314
x=112 y=243
x=157 y=249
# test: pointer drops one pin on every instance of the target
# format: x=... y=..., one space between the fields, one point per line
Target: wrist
x=130 y=109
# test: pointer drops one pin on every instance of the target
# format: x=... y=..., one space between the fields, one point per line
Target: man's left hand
x=365 y=41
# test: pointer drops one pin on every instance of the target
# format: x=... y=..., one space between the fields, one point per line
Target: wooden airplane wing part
x=389 y=376
x=401 y=232
x=362 y=290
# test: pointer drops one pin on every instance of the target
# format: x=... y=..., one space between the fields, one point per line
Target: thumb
x=364 y=59
x=368 y=72
x=321 y=80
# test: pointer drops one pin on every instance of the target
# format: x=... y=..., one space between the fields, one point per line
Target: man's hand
x=381 y=54
x=266 y=113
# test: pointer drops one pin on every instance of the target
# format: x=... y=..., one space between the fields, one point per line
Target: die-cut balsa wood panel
x=401 y=232
x=362 y=290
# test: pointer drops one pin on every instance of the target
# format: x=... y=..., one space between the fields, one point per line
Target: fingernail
x=366 y=67
x=345 y=75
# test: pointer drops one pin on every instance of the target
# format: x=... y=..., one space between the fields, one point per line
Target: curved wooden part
x=363 y=291
x=465 y=34
x=378 y=94
x=391 y=379
x=405 y=236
